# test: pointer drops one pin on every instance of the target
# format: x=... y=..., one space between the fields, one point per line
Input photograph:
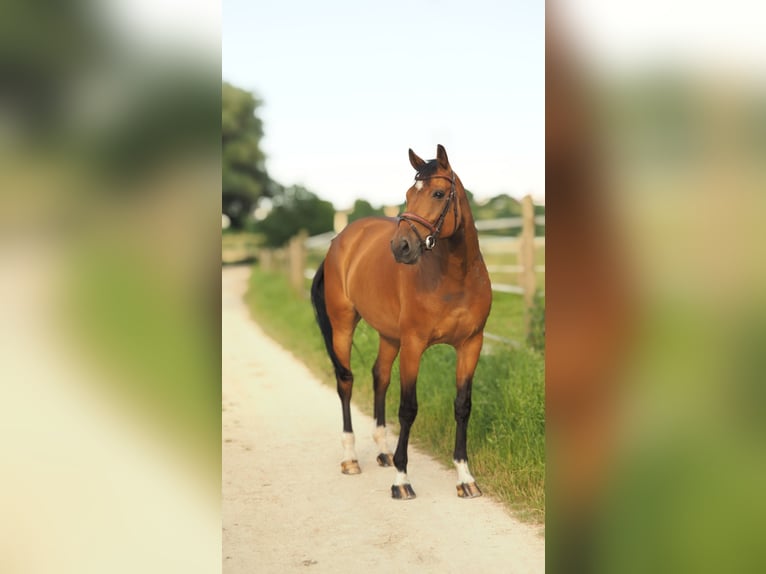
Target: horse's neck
x=464 y=245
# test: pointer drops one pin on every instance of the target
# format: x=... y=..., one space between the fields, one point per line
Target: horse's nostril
x=405 y=246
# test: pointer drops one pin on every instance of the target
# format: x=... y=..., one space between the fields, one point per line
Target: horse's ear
x=441 y=156
x=416 y=162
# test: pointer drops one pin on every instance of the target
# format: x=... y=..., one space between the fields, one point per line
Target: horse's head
x=431 y=211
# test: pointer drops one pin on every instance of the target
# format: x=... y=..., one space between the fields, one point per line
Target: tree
x=244 y=176
x=363 y=208
x=503 y=205
x=294 y=209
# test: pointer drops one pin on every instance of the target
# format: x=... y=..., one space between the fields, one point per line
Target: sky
x=349 y=86
x=622 y=35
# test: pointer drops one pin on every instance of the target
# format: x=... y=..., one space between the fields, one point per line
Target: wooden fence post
x=340 y=220
x=297 y=260
x=528 y=279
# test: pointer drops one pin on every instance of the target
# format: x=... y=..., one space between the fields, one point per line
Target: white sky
x=704 y=36
x=349 y=86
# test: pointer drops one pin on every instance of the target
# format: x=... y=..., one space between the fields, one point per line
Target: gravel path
x=288 y=508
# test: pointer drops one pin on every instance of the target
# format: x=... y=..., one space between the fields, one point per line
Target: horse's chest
x=458 y=318
x=446 y=309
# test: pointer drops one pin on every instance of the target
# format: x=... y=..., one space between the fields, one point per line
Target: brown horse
x=418 y=280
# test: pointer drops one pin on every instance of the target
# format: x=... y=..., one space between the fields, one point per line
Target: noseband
x=434 y=228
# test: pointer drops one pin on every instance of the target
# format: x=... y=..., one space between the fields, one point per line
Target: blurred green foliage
x=294 y=209
x=244 y=179
x=35 y=77
x=678 y=486
x=363 y=208
x=502 y=205
x=108 y=219
x=127 y=313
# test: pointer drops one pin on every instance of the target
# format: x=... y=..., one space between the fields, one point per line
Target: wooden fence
x=295 y=257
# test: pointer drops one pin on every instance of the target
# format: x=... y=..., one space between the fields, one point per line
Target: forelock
x=427 y=170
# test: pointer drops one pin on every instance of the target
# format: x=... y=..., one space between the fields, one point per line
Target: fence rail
x=505 y=223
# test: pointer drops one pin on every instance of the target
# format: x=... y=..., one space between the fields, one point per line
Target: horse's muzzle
x=405 y=251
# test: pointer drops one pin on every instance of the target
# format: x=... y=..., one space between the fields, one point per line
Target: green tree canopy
x=363 y=208
x=502 y=205
x=295 y=208
x=244 y=176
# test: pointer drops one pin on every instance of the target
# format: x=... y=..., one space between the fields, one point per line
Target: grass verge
x=506 y=435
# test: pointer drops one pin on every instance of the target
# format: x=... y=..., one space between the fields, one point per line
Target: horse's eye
x=438 y=194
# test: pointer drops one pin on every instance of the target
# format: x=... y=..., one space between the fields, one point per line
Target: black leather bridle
x=434 y=228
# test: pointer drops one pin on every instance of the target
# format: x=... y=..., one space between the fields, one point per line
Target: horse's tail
x=323 y=320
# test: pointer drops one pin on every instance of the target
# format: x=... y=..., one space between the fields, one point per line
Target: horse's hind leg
x=381 y=378
x=344 y=323
x=337 y=320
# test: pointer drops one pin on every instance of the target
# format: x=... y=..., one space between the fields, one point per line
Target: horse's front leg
x=467 y=358
x=409 y=361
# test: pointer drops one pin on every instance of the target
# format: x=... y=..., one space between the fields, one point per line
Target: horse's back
x=361 y=267
x=360 y=240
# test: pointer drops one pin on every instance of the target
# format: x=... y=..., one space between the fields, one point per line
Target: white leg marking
x=463 y=474
x=379 y=434
x=401 y=478
x=347 y=440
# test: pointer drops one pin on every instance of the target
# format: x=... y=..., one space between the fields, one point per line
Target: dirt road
x=288 y=508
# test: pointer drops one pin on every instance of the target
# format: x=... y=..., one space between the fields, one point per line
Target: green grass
x=506 y=437
x=506 y=319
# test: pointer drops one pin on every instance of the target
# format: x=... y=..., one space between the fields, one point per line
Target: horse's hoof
x=468 y=490
x=402 y=492
x=350 y=467
x=385 y=459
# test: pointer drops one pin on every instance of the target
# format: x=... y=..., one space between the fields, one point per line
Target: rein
x=434 y=228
